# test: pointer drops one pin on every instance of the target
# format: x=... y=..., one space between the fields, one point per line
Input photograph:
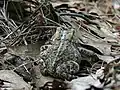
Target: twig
x=80 y=15
x=25 y=64
x=21 y=24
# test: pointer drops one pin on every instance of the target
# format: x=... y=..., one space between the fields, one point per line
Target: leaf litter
x=26 y=25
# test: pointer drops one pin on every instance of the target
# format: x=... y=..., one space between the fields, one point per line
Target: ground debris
x=77 y=40
x=10 y=80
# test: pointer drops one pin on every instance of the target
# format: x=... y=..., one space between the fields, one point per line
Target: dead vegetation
x=90 y=27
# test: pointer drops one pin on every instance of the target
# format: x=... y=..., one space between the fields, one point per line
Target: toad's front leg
x=43 y=67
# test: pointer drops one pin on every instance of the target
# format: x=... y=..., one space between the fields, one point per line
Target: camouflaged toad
x=61 y=58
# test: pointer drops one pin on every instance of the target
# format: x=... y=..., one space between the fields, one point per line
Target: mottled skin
x=62 y=66
x=62 y=58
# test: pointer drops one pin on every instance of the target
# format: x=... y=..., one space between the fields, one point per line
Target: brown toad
x=62 y=58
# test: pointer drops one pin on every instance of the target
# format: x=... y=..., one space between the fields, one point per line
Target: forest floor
x=60 y=45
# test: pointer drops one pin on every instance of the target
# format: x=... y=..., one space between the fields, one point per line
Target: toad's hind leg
x=68 y=70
